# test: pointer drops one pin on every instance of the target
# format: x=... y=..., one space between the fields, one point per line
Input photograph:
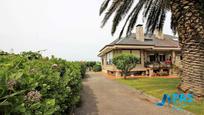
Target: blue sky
x=68 y=29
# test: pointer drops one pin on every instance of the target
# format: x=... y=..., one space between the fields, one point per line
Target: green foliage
x=3 y=53
x=31 y=84
x=125 y=62
x=97 y=68
x=31 y=55
x=92 y=65
x=83 y=69
x=154 y=13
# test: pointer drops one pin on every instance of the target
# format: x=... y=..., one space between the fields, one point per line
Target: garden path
x=102 y=96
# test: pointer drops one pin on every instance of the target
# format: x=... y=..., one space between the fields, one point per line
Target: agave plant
x=187 y=20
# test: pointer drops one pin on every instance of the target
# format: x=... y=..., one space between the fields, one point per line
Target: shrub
x=31 y=55
x=83 y=70
x=90 y=64
x=125 y=63
x=38 y=85
x=97 y=68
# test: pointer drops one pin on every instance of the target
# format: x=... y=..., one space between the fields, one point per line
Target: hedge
x=33 y=85
x=97 y=68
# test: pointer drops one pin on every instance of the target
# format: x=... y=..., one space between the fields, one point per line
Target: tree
x=97 y=68
x=90 y=65
x=125 y=63
x=187 y=20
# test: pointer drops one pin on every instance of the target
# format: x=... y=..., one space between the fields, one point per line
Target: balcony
x=159 y=65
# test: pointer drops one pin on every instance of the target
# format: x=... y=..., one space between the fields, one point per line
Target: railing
x=158 y=65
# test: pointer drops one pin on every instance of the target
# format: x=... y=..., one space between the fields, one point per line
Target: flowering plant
x=31 y=84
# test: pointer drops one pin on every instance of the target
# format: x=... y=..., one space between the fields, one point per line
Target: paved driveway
x=101 y=96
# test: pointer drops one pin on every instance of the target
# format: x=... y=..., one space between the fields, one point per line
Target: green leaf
x=5 y=103
x=21 y=108
x=2 y=90
x=50 y=112
x=18 y=75
x=13 y=94
x=50 y=102
x=35 y=106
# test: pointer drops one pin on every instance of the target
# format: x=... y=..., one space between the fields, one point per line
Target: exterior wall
x=143 y=55
x=137 y=53
x=106 y=66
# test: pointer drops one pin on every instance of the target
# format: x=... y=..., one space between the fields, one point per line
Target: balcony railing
x=158 y=65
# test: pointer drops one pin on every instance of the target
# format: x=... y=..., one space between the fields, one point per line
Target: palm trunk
x=189 y=22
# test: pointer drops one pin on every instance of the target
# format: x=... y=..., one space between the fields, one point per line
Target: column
x=173 y=57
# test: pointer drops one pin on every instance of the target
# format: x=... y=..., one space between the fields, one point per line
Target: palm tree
x=187 y=20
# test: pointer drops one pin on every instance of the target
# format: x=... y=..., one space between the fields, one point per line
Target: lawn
x=159 y=86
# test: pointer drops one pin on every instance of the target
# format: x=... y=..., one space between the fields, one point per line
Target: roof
x=151 y=41
x=168 y=41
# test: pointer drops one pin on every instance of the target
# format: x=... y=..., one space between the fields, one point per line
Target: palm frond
x=120 y=13
x=114 y=6
x=104 y=5
x=154 y=13
x=135 y=11
x=147 y=8
x=128 y=18
x=161 y=20
x=134 y=17
x=153 y=16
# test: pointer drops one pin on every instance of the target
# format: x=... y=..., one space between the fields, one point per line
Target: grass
x=159 y=86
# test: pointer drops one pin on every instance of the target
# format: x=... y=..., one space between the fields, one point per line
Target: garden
x=32 y=84
x=158 y=86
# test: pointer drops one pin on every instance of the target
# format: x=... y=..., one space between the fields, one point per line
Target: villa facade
x=158 y=53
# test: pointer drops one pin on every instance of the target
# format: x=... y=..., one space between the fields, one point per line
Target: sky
x=68 y=29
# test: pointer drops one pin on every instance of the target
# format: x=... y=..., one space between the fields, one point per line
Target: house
x=158 y=53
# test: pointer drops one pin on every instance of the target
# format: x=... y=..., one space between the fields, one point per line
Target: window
x=109 y=58
x=152 y=58
x=162 y=57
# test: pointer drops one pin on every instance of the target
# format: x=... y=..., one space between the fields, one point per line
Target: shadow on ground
x=88 y=105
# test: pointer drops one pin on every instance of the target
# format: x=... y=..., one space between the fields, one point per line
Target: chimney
x=139 y=32
x=158 y=34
